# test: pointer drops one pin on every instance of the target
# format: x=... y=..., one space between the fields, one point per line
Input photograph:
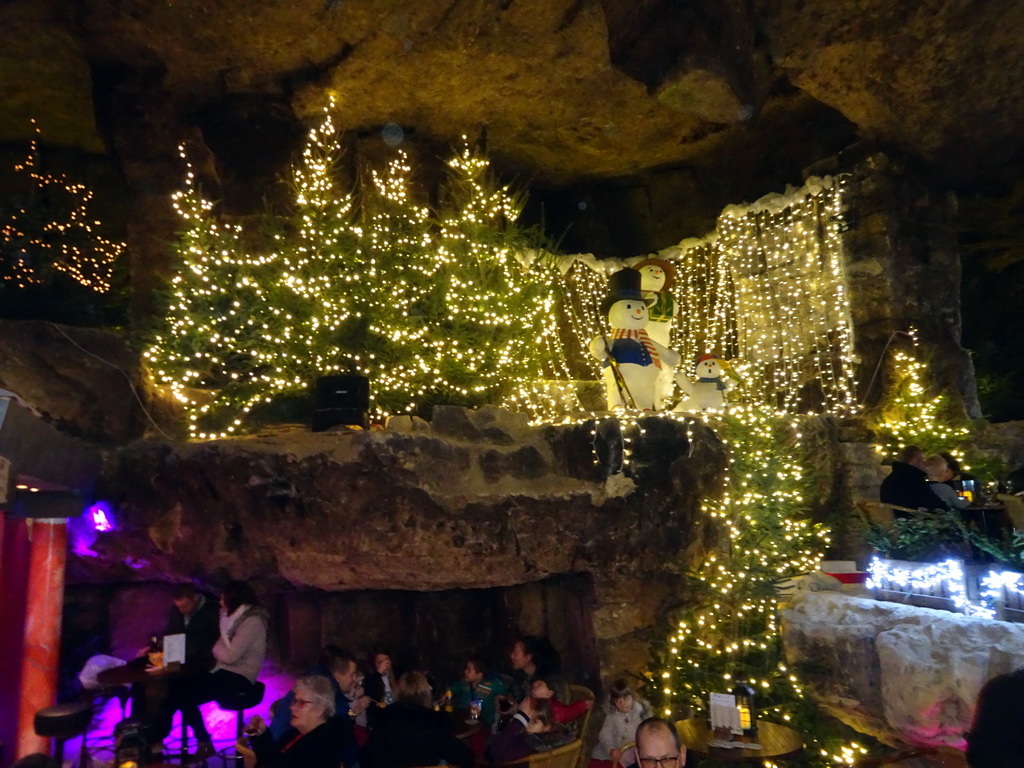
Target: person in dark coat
x=318 y=738
x=907 y=484
x=381 y=682
x=410 y=733
x=198 y=618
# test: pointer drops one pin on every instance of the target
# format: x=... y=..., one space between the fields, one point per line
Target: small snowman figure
x=657 y=277
x=707 y=391
x=632 y=359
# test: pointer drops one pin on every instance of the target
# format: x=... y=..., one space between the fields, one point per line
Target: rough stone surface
x=903 y=274
x=79 y=379
x=427 y=510
x=564 y=90
x=899 y=673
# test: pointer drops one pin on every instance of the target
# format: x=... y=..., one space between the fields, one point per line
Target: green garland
x=730 y=629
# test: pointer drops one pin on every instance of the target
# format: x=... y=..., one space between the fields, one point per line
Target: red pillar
x=14 y=557
x=42 y=628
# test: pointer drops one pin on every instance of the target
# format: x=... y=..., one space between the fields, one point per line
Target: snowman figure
x=657 y=277
x=707 y=391
x=632 y=359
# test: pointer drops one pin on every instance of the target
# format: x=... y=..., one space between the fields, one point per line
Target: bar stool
x=62 y=722
x=238 y=702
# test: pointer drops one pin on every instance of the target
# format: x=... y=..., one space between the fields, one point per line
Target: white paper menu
x=174 y=649
x=724 y=713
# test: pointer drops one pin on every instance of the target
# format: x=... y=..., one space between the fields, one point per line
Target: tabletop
x=777 y=742
x=135 y=672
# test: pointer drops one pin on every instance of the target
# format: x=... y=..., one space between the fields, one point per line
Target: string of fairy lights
x=427 y=304
x=911 y=417
x=67 y=240
x=732 y=630
x=768 y=288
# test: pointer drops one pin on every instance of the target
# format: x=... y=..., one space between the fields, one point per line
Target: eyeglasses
x=660 y=762
x=297 y=702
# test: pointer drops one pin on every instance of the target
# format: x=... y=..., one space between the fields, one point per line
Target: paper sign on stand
x=724 y=713
x=174 y=649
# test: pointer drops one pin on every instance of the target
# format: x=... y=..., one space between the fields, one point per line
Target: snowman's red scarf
x=640 y=335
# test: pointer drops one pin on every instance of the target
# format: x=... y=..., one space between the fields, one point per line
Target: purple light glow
x=102 y=516
x=220 y=723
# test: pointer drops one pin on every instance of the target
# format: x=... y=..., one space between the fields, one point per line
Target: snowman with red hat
x=632 y=359
x=707 y=391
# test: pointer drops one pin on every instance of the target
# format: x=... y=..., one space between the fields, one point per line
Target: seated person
x=938 y=474
x=199 y=620
x=658 y=745
x=562 y=713
x=239 y=653
x=380 y=683
x=625 y=711
x=317 y=738
x=996 y=739
x=338 y=667
x=530 y=730
x=532 y=658
x=907 y=483
x=955 y=476
x=478 y=682
x=410 y=733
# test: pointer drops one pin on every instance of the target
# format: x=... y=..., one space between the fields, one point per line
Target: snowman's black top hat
x=623 y=285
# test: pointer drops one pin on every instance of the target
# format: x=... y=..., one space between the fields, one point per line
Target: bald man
x=658 y=745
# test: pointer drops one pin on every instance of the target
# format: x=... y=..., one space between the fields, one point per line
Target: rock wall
x=903 y=274
x=899 y=673
x=476 y=499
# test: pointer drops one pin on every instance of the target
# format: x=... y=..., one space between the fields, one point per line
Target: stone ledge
x=899 y=673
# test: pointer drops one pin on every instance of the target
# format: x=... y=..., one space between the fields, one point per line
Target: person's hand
x=256 y=726
x=616 y=755
x=360 y=705
x=242 y=745
x=528 y=707
x=589 y=705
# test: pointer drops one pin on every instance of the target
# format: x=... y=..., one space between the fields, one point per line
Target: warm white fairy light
x=769 y=288
x=70 y=245
x=439 y=305
x=911 y=417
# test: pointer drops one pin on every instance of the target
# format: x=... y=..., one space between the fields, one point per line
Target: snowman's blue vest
x=630 y=351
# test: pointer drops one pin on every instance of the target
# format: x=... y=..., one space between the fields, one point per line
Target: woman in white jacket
x=625 y=712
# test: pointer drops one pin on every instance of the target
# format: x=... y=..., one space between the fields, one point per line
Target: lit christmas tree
x=51 y=239
x=730 y=632
x=911 y=417
x=432 y=307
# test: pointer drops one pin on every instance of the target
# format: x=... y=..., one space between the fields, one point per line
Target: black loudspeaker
x=341 y=400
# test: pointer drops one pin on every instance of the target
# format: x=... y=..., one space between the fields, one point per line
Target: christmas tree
x=730 y=631
x=432 y=306
x=52 y=255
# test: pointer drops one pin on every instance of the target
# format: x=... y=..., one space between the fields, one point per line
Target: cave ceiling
x=564 y=90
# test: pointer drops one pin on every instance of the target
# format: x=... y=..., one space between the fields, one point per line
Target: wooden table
x=145 y=703
x=777 y=742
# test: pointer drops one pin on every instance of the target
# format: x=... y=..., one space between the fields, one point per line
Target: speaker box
x=343 y=399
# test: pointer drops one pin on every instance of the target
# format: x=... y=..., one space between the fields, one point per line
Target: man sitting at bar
x=907 y=484
x=199 y=620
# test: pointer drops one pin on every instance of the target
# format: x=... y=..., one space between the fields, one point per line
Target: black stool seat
x=239 y=700
x=64 y=721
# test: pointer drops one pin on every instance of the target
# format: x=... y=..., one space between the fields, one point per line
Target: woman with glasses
x=316 y=739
